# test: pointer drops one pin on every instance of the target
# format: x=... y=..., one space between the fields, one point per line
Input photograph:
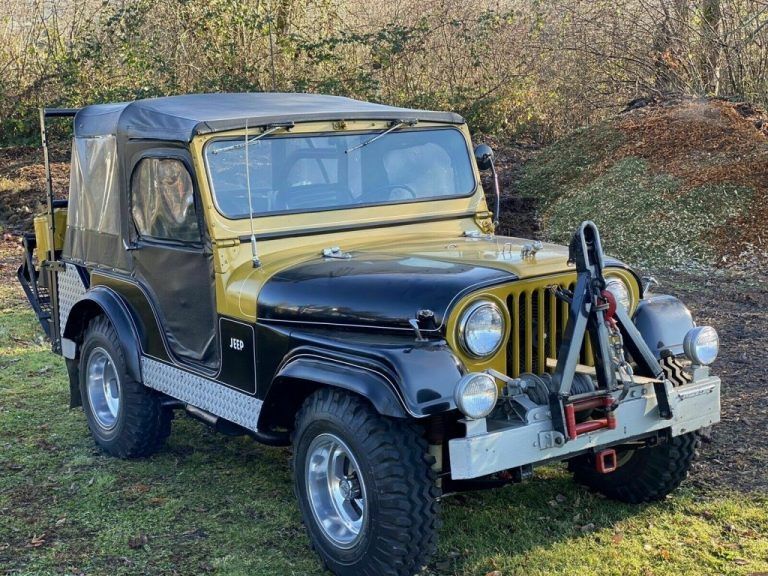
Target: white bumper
x=506 y=445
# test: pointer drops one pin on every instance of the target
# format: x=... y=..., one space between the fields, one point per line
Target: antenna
x=254 y=251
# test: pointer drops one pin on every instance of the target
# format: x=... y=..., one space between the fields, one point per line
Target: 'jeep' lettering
x=236 y=344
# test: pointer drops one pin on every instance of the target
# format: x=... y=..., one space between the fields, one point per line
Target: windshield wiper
x=394 y=125
x=268 y=129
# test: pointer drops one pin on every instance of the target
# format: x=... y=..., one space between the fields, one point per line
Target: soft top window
x=93 y=219
x=327 y=172
x=162 y=201
x=93 y=200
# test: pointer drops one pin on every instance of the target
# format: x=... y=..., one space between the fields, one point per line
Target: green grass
x=567 y=162
x=645 y=217
x=212 y=504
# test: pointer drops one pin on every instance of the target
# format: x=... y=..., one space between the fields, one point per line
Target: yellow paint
x=41 y=232
x=238 y=283
x=522 y=354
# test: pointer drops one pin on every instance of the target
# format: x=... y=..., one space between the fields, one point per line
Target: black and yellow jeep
x=321 y=272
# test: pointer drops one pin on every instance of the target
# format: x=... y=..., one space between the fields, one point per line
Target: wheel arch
x=303 y=374
x=663 y=321
x=101 y=301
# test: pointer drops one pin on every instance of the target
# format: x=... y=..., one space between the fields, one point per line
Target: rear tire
x=644 y=474
x=375 y=513
x=125 y=418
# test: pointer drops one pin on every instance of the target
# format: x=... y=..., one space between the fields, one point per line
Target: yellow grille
x=538 y=322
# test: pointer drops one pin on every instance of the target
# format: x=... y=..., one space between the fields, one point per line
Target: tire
x=125 y=418
x=644 y=474
x=391 y=492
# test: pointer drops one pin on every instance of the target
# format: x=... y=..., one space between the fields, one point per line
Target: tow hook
x=606 y=461
x=574 y=430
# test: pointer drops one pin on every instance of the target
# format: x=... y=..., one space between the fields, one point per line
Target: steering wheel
x=395 y=192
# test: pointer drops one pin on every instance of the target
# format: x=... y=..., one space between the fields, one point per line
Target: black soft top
x=180 y=118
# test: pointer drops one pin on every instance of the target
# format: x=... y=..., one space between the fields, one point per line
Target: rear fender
x=100 y=301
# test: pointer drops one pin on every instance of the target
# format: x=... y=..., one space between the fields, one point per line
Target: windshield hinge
x=336 y=252
x=227 y=243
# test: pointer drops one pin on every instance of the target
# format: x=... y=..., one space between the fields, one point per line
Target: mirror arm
x=498 y=195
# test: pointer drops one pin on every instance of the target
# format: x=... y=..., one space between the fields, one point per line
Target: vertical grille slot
x=538 y=324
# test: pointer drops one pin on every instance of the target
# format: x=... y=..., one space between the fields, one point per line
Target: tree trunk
x=710 y=48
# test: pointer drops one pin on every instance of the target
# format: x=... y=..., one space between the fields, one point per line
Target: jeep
x=323 y=273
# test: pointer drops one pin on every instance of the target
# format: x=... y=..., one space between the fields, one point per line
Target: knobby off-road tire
x=125 y=418
x=392 y=507
x=645 y=474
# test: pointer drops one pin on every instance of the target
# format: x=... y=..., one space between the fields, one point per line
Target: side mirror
x=484 y=156
x=484 y=159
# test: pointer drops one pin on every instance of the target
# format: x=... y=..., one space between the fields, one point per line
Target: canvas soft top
x=180 y=118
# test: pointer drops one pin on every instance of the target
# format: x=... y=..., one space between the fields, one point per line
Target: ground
x=693 y=169
x=207 y=503
x=212 y=504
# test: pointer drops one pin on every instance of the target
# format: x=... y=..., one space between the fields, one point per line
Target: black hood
x=371 y=290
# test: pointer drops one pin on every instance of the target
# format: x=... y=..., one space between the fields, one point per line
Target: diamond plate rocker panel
x=202 y=393
x=71 y=290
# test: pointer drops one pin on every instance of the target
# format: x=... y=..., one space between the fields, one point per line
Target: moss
x=569 y=162
x=646 y=217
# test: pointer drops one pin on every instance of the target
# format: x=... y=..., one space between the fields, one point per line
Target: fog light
x=476 y=395
x=701 y=345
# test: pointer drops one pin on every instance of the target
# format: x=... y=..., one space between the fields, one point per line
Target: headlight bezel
x=692 y=345
x=464 y=319
x=461 y=388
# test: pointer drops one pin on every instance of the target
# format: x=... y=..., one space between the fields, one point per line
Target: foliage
x=645 y=217
x=533 y=69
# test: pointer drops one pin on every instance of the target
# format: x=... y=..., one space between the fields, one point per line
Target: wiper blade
x=395 y=125
x=268 y=129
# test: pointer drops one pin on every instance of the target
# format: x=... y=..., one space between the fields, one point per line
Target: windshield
x=311 y=173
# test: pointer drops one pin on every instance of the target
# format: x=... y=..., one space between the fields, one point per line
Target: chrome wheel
x=103 y=385
x=336 y=490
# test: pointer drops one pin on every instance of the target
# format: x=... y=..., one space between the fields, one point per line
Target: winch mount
x=593 y=311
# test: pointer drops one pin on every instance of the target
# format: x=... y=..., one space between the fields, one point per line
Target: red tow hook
x=606 y=461
x=610 y=308
x=574 y=429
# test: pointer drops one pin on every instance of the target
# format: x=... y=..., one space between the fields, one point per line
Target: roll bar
x=51 y=204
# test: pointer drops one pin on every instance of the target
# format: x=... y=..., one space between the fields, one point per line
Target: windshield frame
x=325 y=133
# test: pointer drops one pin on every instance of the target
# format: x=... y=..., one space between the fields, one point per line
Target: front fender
x=401 y=380
x=372 y=384
x=663 y=322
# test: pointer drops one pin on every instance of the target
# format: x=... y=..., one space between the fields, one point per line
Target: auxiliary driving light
x=701 y=345
x=476 y=395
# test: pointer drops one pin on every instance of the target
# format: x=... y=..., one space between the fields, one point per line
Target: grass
x=212 y=504
x=646 y=217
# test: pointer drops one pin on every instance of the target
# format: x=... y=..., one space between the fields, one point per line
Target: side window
x=162 y=201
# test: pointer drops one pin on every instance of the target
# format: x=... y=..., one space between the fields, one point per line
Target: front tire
x=644 y=474
x=125 y=418
x=365 y=486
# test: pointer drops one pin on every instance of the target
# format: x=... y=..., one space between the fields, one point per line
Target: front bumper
x=495 y=445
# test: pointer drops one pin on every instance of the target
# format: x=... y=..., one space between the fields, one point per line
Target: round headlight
x=620 y=291
x=701 y=345
x=481 y=329
x=476 y=395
